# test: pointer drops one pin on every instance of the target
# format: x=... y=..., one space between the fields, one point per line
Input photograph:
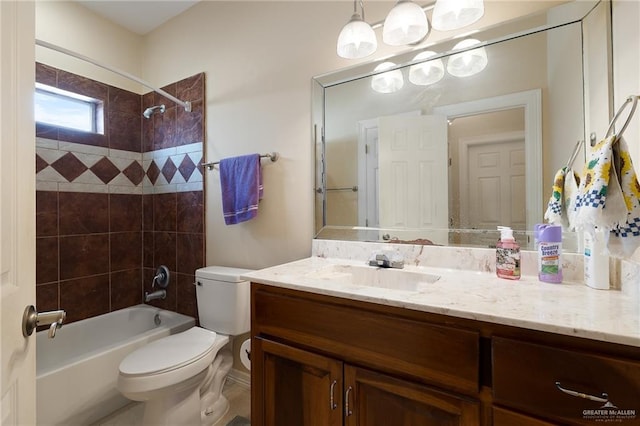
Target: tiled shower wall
x=112 y=207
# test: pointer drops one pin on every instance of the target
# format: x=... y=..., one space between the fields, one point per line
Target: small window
x=65 y=109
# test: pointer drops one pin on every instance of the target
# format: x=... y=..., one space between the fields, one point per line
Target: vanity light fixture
x=456 y=14
x=426 y=73
x=387 y=82
x=406 y=23
x=469 y=62
x=357 y=39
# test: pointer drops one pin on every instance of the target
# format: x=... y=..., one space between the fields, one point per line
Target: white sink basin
x=370 y=276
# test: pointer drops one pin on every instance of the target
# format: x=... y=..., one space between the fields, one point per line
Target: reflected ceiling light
x=465 y=64
x=426 y=73
x=406 y=23
x=357 y=39
x=455 y=14
x=387 y=82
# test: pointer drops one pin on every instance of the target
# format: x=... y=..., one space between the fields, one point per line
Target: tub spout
x=158 y=294
x=54 y=327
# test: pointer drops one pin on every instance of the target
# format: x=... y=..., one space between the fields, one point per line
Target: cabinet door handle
x=347 y=410
x=332 y=403
x=603 y=399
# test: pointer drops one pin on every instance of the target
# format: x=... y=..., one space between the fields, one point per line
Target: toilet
x=180 y=377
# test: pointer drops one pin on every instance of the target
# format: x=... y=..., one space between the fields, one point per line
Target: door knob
x=32 y=319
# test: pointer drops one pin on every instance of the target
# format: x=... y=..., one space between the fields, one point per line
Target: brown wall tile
x=126 y=288
x=84 y=255
x=164 y=249
x=85 y=297
x=47 y=297
x=165 y=212
x=187 y=302
x=125 y=212
x=46 y=260
x=125 y=131
x=82 y=237
x=83 y=213
x=46 y=213
x=126 y=250
x=189 y=253
x=189 y=125
x=190 y=212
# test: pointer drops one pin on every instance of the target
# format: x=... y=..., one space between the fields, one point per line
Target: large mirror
x=442 y=151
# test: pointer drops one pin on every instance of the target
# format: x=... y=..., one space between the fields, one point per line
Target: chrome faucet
x=32 y=319
x=387 y=259
x=158 y=294
x=162 y=279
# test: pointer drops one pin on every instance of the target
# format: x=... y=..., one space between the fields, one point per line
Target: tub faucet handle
x=32 y=319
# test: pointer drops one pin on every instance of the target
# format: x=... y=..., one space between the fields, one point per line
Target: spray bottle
x=507 y=255
x=549 y=253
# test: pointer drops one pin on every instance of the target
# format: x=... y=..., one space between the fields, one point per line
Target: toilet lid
x=169 y=353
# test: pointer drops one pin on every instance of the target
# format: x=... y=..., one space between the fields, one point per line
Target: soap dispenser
x=507 y=255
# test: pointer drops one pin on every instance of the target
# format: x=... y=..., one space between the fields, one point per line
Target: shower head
x=151 y=110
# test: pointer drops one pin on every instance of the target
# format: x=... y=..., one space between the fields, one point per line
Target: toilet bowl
x=180 y=377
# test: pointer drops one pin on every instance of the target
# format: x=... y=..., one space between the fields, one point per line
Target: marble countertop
x=571 y=309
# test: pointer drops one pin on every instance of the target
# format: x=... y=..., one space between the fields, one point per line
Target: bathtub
x=77 y=371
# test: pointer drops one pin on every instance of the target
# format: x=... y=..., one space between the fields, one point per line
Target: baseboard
x=240 y=377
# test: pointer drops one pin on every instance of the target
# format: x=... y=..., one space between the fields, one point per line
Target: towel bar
x=273 y=156
x=633 y=100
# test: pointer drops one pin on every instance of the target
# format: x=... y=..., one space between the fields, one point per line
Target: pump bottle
x=507 y=255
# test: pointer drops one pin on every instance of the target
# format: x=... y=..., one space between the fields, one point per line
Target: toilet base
x=214 y=412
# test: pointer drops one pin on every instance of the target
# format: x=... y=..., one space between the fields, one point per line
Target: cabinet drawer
x=525 y=377
x=440 y=355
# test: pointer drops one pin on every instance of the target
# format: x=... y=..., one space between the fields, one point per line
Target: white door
x=413 y=175
x=492 y=181
x=17 y=210
x=368 y=173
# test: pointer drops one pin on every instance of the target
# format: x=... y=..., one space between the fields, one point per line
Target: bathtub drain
x=157 y=319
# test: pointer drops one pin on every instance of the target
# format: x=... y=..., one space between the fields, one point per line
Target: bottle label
x=508 y=262
x=550 y=258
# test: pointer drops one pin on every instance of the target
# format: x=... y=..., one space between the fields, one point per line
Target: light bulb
x=406 y=23
x=357 y=39
x=456 y=14
x=468 y=63
x=387 y=82
x=426 y=73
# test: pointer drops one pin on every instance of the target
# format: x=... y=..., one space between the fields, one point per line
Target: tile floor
x=237 y=393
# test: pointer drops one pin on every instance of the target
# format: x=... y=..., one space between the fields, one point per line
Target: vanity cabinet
x=324 y=360
x=304 y=388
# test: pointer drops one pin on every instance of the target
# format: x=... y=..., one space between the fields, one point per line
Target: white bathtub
x=77 y=371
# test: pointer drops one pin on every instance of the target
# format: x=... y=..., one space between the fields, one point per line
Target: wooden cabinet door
x=298 y=387
x=374 y=399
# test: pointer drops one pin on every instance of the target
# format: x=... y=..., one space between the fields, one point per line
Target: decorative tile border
x=71 y=167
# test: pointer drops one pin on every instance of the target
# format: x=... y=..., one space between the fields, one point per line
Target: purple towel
x=241 y=183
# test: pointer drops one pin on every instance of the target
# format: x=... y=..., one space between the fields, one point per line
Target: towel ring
x=633 y=100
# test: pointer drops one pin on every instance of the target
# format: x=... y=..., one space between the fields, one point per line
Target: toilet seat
x=169 y=361
x=169 y=353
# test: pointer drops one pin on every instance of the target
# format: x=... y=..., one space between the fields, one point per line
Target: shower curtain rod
x=45 y=44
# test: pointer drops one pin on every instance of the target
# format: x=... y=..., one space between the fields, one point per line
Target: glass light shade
x=387 y=82
x=465 y=64
x=406 y=23
x=357 y=39
x=455 y=14
x=426 y=73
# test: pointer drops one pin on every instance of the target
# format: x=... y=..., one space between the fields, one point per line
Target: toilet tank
x=223 y=300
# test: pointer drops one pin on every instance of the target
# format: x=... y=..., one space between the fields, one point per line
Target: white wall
x=259 y=93
x=69 y=25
